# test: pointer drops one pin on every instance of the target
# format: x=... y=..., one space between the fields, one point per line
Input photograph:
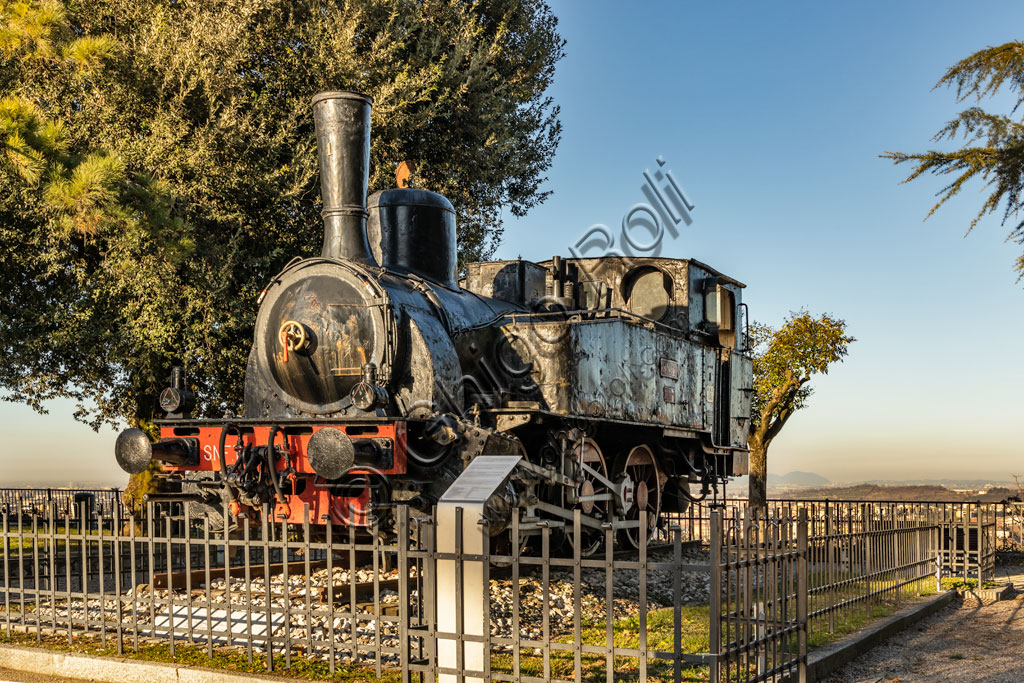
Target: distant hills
x=797 y=479
x=948 y=483
x=101 y=484
x=919 y=492
x=815 y=486
x=784 y=481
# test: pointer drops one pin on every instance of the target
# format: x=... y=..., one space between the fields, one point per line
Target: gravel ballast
x=233 y=592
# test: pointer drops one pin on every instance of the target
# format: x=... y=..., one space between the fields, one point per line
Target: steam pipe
x=222 y=473
x=557 y=278
x=271 y=453
x=342 y=121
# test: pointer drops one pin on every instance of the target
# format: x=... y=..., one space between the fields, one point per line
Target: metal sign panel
x=481 y=479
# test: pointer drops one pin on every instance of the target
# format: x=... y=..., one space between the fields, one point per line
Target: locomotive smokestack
x=342 y=121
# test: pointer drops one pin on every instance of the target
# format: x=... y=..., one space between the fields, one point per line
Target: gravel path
x=9 y=676
x=966 y=642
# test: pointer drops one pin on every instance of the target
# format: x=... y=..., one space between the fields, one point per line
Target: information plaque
x=478 y=482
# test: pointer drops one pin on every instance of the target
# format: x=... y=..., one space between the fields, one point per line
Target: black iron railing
x=747 y=606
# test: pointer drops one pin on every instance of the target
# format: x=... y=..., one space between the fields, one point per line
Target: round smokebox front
x=317 y=328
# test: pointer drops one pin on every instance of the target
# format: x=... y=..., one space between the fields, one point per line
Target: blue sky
x=772 y=117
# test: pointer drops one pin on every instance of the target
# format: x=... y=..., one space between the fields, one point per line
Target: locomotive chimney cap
x=341 y=95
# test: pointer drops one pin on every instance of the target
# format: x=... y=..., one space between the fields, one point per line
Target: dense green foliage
x=993 y=144
x=785 y=361
x=158 y=166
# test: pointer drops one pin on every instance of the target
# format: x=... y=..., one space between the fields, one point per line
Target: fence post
x=677 y=601
x=964 y=545
x=866 y=522
x=715 y=621
x=801 y=596
x=979 y=545
x=429 y=597
x=829 y=559
x=747 y=576
x=897 y=556
x=404 y=603
x=761 y=621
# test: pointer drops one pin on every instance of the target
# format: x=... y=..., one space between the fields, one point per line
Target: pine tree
x=993 y=144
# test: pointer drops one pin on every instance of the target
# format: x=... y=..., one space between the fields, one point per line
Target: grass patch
x=954 y=583
x=856 y=616
x=693 y=639
x=10 y=541
x=846 y=623
x=625 y=634
x=226 y=659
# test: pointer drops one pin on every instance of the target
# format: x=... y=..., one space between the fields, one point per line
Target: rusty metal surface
x=742 y=392
x=614 y=368
x=518 y=282
x=348 y=324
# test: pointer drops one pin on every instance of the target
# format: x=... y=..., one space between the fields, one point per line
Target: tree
x=158 y=166
x=785 y=361
x=993 y=144
x=87 y=242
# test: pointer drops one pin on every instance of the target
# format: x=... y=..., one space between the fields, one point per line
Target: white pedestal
x=483 y=478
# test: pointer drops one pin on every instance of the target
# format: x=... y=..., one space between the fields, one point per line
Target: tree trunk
x=758 y=488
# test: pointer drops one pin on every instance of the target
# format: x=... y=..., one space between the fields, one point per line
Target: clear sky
x=772 y=117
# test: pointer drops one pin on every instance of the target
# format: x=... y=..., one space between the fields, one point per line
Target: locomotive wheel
x=590 y=454
x=641 y=492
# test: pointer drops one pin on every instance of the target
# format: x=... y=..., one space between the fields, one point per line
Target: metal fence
x=971 y=534
x=788 y=580
x=38 y=501
x=746 y=609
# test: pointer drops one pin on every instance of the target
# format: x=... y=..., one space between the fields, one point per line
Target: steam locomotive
x=376 y=374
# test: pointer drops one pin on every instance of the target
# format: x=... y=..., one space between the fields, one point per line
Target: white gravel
x=560 y=600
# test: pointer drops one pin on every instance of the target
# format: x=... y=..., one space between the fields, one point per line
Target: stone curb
x=987 y=595
x=108 y=669
x=823 y=662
